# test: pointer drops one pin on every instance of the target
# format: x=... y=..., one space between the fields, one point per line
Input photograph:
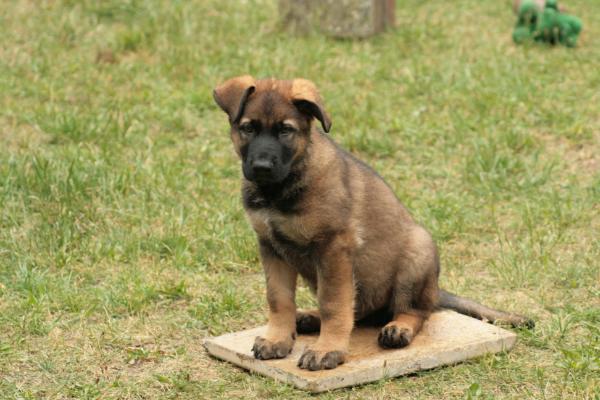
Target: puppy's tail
x=479 y=311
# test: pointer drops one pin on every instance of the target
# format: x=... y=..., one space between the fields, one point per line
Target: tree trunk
x=337 y=18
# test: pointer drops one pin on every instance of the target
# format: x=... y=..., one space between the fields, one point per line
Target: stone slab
x=447 y=338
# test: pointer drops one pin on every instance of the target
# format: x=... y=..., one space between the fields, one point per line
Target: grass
x=122 y=238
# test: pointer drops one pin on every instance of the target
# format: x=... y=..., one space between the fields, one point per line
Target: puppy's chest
x=288 y=232
x=290 y=239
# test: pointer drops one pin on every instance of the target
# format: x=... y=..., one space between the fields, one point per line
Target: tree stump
x=337 y=18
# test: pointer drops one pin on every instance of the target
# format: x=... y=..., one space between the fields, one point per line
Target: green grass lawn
x=123 y=242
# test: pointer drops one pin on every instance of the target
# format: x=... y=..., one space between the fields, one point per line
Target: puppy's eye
x=246 y=130
x=287 y=131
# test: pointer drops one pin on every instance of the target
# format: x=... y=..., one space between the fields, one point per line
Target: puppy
x=321 y=213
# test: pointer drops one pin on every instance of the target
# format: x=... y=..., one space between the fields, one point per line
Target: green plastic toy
x=546 y=25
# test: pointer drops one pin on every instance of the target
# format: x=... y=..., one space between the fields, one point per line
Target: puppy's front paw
x=264 y=349
x=316 y=360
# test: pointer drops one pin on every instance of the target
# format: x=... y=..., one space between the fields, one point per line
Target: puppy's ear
x=307 y=99
x=232 y=95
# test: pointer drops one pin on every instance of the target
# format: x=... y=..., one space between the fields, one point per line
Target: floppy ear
x=232 y=95
x=307 y=99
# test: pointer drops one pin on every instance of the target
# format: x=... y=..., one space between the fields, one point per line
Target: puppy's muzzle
x=263 y=169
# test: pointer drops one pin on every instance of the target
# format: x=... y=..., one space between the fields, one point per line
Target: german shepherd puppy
x=321 y=213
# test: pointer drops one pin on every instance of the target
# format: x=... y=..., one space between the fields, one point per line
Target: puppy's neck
x=285 y=196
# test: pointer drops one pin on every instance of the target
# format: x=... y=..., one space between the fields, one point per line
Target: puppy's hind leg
x=416 y=290
x=410 y=311
x=308 y=321
x=401 y=330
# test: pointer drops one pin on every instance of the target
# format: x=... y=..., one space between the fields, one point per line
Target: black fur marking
x=284 y=197
x=244 y=151
x=307 y=323
x=267 y=248
x=286 y=154
x=240 y=111
x=288 y=203
x=265 y=350
x=252 y=199
x=268 y=103
x=394 y=337
x=301 y=256
x=310 y=360
x=311 y=109
x=290 y=246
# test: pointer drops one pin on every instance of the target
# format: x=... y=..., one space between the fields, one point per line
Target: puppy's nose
x=262 y=166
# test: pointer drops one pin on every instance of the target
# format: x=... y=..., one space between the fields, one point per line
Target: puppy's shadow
x=376 y=319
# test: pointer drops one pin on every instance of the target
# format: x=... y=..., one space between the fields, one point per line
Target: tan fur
x=348 y=236
x=358 y=234
x=228 y=94
x=403 y=327
x=412 y=322
x=281 y=290
x=335 y=294
x=304 y=89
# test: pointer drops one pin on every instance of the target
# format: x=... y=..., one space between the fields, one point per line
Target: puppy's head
x=270 y=123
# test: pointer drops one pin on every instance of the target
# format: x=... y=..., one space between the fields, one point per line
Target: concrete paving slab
x=447 y=338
